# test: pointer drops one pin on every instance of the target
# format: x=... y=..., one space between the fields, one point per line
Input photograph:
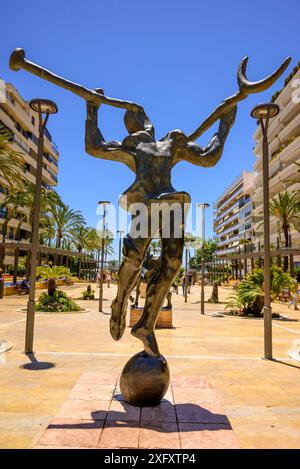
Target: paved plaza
x=259 y=398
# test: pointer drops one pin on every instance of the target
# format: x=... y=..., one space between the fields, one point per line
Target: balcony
x=229 y=240
x=229 y=229
x=289 y=153
x=285 y=102
x=231 y=200
x=229 y=189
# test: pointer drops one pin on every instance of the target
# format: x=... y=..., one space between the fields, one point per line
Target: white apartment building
x=22 y=121
x=233 y=215
x=284 y=148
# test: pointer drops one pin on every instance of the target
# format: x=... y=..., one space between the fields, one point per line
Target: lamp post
x=121 y=232
x=203 y=206
x=46 y=107
x=104 y=203
x=263 y=113
x=187 y=246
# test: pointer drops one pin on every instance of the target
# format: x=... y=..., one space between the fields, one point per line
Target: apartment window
x=33 y=120
x=48 y=135
x=11 y=233
x=11 y=98
x=3 y=212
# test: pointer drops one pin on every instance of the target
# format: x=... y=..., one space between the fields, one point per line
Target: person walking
x=295 y=293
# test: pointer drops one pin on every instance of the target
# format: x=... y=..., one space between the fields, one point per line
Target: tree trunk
x=51 y=286
x=285 y=230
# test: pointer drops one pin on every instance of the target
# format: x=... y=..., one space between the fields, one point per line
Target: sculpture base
x=145 y=380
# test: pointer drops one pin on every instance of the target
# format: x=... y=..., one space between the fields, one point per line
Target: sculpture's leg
x=137 y=293
x=134 y=252
x=158 y=287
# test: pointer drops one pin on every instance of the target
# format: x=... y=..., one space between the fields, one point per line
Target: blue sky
x=177 y=58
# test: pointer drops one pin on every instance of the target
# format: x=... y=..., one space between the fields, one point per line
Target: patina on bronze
x=145 y=377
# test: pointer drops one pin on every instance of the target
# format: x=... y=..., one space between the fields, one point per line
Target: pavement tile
x=194 y=395
x=87 y=391
x=190 y=382
x=164 y=412
x=120 y=410
x=75 y=433
x=159 y=435
x=117 y=434
x=193 y=413
x=199 y=436
x=60 y=447
x=99 y=378
x=83 y=409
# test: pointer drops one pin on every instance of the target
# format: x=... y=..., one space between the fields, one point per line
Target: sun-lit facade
x=17 y=116
x=284 y=150
x=233 y=215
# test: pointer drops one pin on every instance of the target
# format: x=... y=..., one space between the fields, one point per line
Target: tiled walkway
x=260 y=397
x=95 y=416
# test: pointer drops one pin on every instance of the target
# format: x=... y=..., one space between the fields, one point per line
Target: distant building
x=284 y=147
x=233 y=215
x=22 y=122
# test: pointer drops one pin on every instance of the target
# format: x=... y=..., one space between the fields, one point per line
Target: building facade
x=233 y=215
x=22 y=122
x=284 y=150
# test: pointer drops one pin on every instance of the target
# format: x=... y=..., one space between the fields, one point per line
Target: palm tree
x=10 y=160
x=66 y=220
x=249 y=298
x=96 y=243
x=286 y=208
x=51 y=274
x=25 y=198
x=155 y=247
x=78 y=237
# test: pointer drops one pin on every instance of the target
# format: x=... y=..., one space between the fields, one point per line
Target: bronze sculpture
x=145 y=377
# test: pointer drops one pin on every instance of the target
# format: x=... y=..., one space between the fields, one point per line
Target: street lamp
x=121 y=232
x=47 y=107
x=103 y=203
x=263 y=113
x=187 y=247
x=203 y=206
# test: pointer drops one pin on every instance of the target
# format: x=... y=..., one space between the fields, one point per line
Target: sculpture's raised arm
x=210 y=155
x=18 y=61
x=95 y=144
x=246 y=87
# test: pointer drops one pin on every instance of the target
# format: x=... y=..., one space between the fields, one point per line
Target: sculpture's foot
x=118 y=319
x=148 y=338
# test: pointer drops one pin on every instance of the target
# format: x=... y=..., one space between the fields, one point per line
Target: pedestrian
x=294 y=294
x=108 y=279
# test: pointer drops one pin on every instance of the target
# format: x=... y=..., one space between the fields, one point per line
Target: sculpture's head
x=137 y=122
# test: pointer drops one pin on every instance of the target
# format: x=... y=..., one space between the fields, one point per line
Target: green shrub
x=21 y=269
x=59 y=302
x=249 y=298
x=297 y=272
x=88 y=294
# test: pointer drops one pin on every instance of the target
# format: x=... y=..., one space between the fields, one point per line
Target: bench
x=68 y=281
x=285 y=296
x=21 y=289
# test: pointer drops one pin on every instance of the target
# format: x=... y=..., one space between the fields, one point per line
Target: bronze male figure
x=145 y=377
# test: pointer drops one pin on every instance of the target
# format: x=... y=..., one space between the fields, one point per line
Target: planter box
x=164 y=320
x=143 y=288
x=12 y=289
